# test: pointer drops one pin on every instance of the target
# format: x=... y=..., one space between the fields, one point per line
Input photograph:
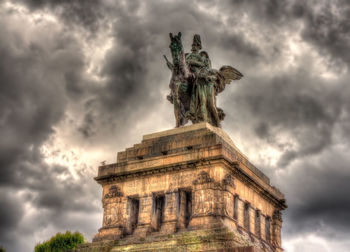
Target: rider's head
x=196 y=45
x=207 y=61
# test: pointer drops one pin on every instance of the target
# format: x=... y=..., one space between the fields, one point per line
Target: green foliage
x=60 y=242
x=42 y=247
x=2 y=249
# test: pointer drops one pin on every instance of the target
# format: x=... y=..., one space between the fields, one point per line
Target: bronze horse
x=180 y=84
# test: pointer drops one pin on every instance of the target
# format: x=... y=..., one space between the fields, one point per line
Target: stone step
x=220 y=239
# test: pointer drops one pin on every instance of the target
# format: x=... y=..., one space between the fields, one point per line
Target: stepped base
x=196 y=240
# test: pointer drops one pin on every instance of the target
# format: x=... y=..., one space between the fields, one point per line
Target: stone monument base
x=218 y=239
x=187 y=189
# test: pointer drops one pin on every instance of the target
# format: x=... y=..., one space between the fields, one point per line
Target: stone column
x=252 y=219
x=207 y=202
x=114 y=215
x=257 y=229
x=276 y=229
x=268 y=229
x=247 y=216
x=240 y=212
x=228 y=195
x=262 y=226
x=181 y=208
x=170 y=213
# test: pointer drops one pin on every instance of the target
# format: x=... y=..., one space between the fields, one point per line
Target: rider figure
x=195 y=63
x=194 y=60
x=203 y=96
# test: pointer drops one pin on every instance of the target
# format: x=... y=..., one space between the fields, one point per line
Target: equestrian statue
x=194 y=84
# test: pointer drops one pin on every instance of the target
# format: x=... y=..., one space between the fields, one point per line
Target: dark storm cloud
x=87 y=13
x=327 y=27
x=240 y=45
x=32 y=95
x=10 y=215
x=320 y=201
x=88 y=126
x=38 y=74
x=306 y=111
x=325 y=24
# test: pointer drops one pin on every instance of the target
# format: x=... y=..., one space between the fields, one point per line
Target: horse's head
x=176 y=47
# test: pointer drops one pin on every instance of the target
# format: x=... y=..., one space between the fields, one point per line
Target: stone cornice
x=181 y=139
x=185 y=156
x=277 y=200
x=192 y=164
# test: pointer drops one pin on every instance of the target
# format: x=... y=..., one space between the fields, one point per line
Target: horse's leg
x=177 y=106
x=182 y=94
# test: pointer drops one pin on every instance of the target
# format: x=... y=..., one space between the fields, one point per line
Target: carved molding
x=202 y=178
x=277 y=216
x=229 y=180
x=114 y=191
x=111 y=178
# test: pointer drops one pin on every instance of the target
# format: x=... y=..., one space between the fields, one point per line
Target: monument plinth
x=188 y=187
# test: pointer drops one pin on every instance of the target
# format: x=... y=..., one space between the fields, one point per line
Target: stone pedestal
x=186 y=187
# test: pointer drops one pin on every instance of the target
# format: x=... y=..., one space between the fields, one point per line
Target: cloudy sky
x=82 y=80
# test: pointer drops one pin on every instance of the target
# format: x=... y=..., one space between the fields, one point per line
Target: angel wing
x=224 y=76
x=230 y=74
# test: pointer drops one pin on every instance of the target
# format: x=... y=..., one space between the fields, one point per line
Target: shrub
x=60 y=242
x=2 y=249
x=42 y=247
